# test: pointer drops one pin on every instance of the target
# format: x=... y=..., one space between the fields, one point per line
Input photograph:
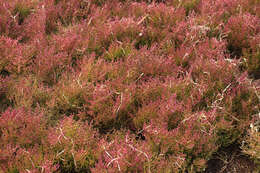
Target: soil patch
x=230 y=160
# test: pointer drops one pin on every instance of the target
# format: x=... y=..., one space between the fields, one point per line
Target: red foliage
x=125 y=86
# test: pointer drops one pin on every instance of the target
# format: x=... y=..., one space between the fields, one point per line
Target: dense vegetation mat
x=129 y=86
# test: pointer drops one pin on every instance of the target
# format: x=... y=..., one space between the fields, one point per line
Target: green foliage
x=227 y=137
x=174 y=119
x=190 y=6
x=148 y=39
x=13 y=170
x=117 y=53
x=252 y=63
x=22 y=11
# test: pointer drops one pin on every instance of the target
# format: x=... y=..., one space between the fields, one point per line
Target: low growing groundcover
x=106 y=86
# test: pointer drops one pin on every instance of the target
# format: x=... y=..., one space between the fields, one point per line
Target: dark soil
x=230 y=160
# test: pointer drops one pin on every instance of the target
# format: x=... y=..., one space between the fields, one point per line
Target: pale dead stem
x=60 y=153
x=61 y=135
x=31 y=161
x=115 y=159
x=28 y=170
x=119 y=156
x=66 y=98
x=13 y=17
x=226 y=160
x=112 y=159
x=179 y=158
x=144 y=129
x=139 y=77
x=72 y=153
x=141 y=152
x=30 y=158
x=186 y=119
x=121 y=101
x=203 y=29
x=79 y=81
x=223 y=35
x=72 y=149
x=217 y=102
x=141 y=21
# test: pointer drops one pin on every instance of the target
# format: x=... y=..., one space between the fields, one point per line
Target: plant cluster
x=127 y=85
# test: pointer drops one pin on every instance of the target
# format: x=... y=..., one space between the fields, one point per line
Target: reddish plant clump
x=129 y=85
